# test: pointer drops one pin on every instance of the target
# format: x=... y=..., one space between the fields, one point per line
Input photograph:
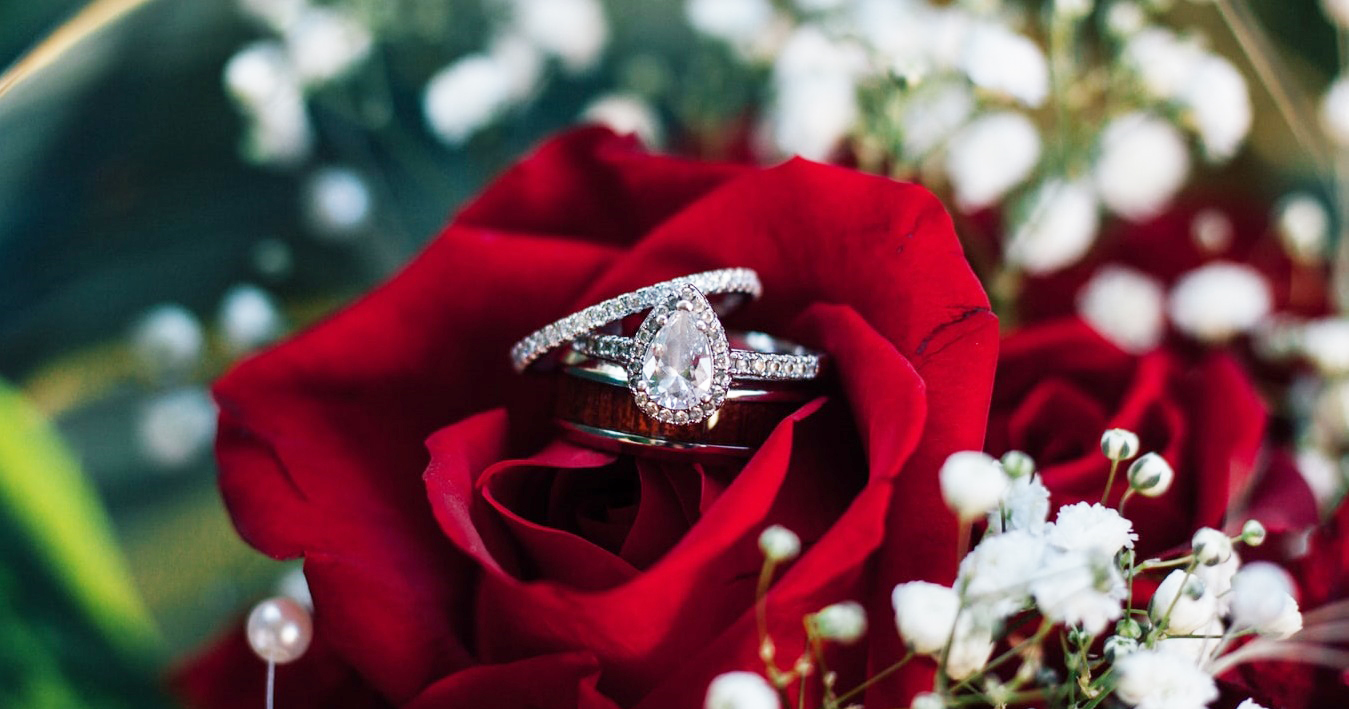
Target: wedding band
x=768 y=362
x=726 y=281
x=595 y=409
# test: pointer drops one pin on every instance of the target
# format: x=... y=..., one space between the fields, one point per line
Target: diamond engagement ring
x=726 y=281
x=680 y=364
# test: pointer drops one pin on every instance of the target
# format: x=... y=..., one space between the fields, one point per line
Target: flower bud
x=741 y=690
x=1151 y=475
x=972 y=483
x=1262 y=600
x=844 y=622
x=1181 y=604
x=1211 y=547
x=1129 y=628
x=1117 y=646
x=1253 y=533
x=1017 y=465
x=1118 y=444
x=927 y=700
x=779 y=544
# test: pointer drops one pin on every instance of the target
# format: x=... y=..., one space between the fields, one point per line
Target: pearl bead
x=279 y=630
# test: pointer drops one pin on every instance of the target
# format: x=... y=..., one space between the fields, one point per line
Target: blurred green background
x=122 y=189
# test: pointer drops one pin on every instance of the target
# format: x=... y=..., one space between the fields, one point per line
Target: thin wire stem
x=271 y=684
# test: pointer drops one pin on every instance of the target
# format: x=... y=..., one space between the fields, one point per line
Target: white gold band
x=564 y=331
x=752 y=365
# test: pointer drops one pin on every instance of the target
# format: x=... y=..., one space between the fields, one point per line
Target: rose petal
x=320 y=441
x=561 y=681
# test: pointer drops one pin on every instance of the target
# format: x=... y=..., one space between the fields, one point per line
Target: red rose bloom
x=1060 y=385
x=459 y=555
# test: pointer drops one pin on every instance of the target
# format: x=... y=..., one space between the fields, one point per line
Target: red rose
x=1060 y=385
x=507 y=568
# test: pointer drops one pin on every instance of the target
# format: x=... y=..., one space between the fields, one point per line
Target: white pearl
x=279 y=630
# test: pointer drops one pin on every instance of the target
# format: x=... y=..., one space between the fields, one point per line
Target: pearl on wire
x=279 y=630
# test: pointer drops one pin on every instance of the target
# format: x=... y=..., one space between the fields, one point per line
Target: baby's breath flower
x=1262 y=601
x=1000 y=60
x=997 y=575
x=1189 y=604
x=1017 y=464
x=1151 y=679
x=844 y=622
x=1218 y=580
x=1211 y=547
x=249 y=318
x=1080 y=589
x=990 y=156
x=324 y=43
x=1059 y=226
x=1126 y=307
x=1304 y=227
x=736 y=22
x=1118 y=444
x=1335 y=112
x=1253 y=533
x=168 y=341
x=924 y=615
x=1249 y=704
x=1220 y=300
x=779 y=544
x=626 y=114
x=1141 y=163
x=574 y=31
x=972 y=483
x=337 y=203
x=927 y=700
x=1151 y=475
x=465 y=96
x=1091 y=527
x=741 y=690
x=1025 y=505
x=1219 y=106
x=1118 y=646
x=1326 y=344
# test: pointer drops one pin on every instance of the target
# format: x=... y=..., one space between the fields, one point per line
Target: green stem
x=1166 y=617
x=1156 y=564
x=1110 y=481
x=875 y=678
x=1045 y=626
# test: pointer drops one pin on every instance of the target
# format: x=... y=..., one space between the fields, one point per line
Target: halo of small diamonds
x=681 y=300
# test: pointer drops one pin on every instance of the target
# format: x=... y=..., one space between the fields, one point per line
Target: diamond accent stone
x=677 y=366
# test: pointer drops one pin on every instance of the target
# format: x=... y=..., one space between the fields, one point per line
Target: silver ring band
x=774 y=361
x=564 y=331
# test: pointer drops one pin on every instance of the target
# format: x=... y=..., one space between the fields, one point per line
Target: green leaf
x=43 y=490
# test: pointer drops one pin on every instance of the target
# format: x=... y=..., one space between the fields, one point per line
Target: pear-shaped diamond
x=677 y=366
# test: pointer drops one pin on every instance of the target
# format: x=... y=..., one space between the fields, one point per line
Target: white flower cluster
x=955 y=85
x=475 y=90
x=310 y=45
x=1073 y=573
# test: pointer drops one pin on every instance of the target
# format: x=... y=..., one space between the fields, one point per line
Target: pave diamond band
x=778 y=362
x=724 y=281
